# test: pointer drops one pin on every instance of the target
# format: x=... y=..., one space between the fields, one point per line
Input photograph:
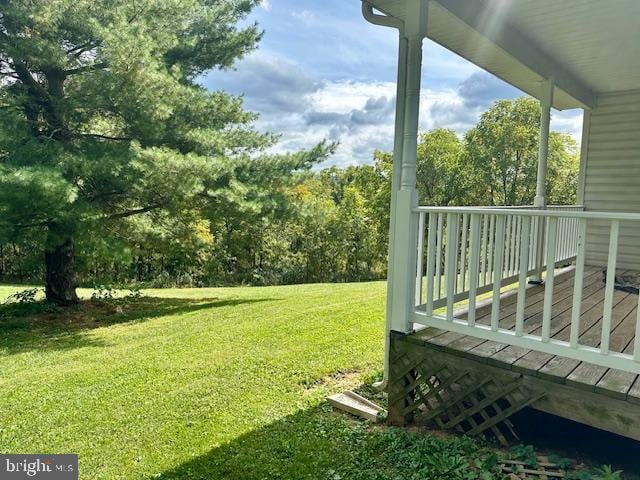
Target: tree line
x=326 y=225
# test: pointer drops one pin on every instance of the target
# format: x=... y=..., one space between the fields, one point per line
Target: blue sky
x=321 y=71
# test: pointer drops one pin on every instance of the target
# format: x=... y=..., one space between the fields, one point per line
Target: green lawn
x=208 y=384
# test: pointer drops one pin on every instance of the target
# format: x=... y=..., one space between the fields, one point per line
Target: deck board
x=561 y=367
x=614 y=383
x=634 y=392
x=535 y=299
x=559 y=321
x=585 y=374
x=533 y=316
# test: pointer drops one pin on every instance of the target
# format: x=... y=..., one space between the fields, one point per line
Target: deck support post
x=540 y=200
x=402 y=262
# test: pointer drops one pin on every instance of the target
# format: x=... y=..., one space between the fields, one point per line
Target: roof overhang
x=589 y=47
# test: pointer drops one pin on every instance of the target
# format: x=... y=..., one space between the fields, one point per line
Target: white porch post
x=397 y=169
x=540 y=200
x=403 y=258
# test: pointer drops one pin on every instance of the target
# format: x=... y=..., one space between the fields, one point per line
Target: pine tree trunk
x=60 y=267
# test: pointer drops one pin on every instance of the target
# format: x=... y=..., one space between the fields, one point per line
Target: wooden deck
x=581 y=386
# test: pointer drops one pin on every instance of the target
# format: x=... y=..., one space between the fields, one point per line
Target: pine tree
x=103 y=119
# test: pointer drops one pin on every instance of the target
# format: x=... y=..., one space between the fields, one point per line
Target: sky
x=322 y=72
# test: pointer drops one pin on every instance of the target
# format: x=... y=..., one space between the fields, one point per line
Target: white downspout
x=403 y=173
x=387 y=21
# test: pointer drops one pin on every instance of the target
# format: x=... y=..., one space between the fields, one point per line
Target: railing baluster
x=568 y=238
x=507 y=252
x=636 y=343
x=552 y=230
x=518 y=241
x=558 y=242
x=565 y=238
x=439 y=256
x=431 y=261
x=489 y=258
x=474 y=267
x=463 y=254
x=512 y=249
x=471 y=241
x=497 y=272
x=483 y=254
x=541 y=248
x=420 y=258
x=522 y=280
x=576 y=309
x=532 y=241
x=450 y=267
x=608 y=290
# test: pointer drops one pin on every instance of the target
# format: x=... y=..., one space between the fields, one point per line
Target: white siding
x=612 y=175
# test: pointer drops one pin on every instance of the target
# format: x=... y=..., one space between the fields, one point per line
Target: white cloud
x=360 y=116
x=357 y=114
x=568 y=121
x=342 y=97
x=305 y=16
x=265 y=5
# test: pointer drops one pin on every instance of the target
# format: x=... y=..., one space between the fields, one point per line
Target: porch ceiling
x=591 y=47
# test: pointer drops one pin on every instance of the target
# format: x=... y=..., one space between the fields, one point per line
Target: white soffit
x=590 y=46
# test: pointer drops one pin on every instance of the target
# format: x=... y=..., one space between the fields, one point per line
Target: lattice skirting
x=444 y=391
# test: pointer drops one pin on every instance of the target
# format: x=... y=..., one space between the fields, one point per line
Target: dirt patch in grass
x=340 y=380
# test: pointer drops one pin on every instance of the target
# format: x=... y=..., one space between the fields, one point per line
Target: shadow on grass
x=319 y=444
x=41 y=326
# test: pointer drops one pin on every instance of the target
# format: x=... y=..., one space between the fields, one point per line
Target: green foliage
x=580 y=475
x=263 y=224
x=560 y=461
x=502 y=151
x=103 y=292
x=104 y=119
x=526 y=454
x=28 y=295
x=606 y=472
x=443 y=176
x=135 y=293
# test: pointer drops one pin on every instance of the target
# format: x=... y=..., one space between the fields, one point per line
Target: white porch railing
x=468 y=251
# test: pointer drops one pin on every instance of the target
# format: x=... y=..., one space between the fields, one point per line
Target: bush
x=24 y=296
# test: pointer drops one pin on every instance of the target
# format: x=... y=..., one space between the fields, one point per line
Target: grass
x=210 y=383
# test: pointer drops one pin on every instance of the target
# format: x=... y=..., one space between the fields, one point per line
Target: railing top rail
x=533 y=212
x=565 y=206
x=510 y=207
